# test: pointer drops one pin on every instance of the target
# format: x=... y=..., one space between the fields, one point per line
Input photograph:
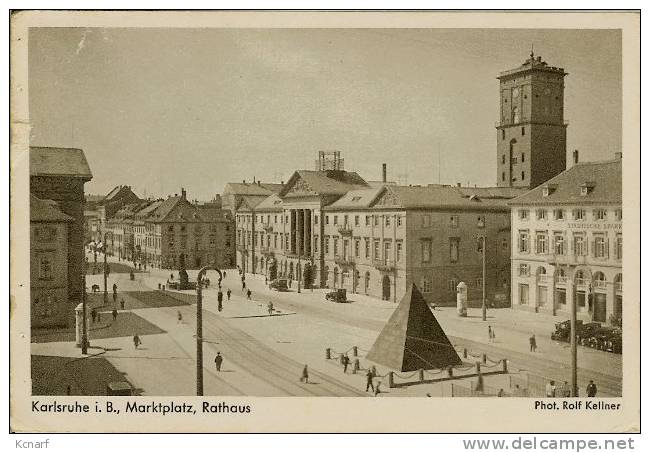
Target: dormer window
x=548 y=189
x=586 y=188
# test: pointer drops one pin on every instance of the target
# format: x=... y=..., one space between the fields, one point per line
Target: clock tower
x=531 y=133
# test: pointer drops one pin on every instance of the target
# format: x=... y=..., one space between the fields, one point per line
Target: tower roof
x=532 y=63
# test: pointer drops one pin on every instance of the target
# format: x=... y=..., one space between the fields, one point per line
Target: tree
x=308 y=275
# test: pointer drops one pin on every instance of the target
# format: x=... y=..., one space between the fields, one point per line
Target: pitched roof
x=429 y=197
x=604 y=178
x=58 y=162
x=46 y=211
x=330 y=182
x=244 y=188
x=361 y=198
x=270 y=203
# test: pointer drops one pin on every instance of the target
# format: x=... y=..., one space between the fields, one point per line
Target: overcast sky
x=161 y=109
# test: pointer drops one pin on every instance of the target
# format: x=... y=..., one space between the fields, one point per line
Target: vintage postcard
x=325 y=221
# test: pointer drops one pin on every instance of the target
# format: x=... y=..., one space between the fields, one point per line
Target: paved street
x=264 y=355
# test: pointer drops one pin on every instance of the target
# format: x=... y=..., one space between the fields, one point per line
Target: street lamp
x=106 y=266
x=481 y=224
x=84 y=325
x=199 y=327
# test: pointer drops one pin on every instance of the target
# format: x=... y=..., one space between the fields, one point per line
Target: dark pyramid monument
x=413 y=339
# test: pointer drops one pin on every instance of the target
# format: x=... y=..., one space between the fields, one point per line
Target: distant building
x=234 y=194
x=59 y=174
x=569 y=244
x=162 y=233
x=118 y=197
x=48 y=264
x=531 y=133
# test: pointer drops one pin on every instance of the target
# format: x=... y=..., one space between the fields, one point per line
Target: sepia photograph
x=208 y=215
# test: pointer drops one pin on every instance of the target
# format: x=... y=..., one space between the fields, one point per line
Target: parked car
x=592 y=335
x=279 y=284
x=339 y=295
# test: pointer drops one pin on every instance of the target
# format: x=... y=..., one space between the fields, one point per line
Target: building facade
x=569 y=244
x=59 y=175
x=166 y=233
x=48 y=264
x=378 y=240
x=531 y=132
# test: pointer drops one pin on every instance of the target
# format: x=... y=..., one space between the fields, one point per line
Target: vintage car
x=279 y=284
x=339 y=295
x=592 y=335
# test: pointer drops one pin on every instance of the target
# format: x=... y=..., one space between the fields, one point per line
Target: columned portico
x=299 y=226
x=306 y=249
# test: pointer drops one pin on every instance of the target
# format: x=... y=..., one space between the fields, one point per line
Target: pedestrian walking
x=369 y=377
x=490 y=334
x=122 y=304
x=346 y=362
x=566 y=390
x=179 y=317
x=136 y=341
x=494 y=335
x=219 y=300
x=224 y=274
x=243 y=285
x=93 y=315
x=248 y=294
x=228 y=293
x=533 y=343
x=218 y=360
x=305 y=375
x=114 y=288
x=550 y=389
x=114 y=312
x=270 y=308
x=591 y=389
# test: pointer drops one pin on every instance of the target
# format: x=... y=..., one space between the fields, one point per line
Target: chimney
x=259 y=183
x=575 y=156
x=282 y=183
x=253 y=179
x=618 y=155
x=243 y=181
x=383 y=173
x=457 y=184
x=183 y=193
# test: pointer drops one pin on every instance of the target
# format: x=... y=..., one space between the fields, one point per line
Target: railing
x=562 y=280
x=266 y=251
x=600 y=284
x=384 y=265
x=568 y=259
x=581 y=281
x=344 y=261
x=542 y=278
x=345 y=230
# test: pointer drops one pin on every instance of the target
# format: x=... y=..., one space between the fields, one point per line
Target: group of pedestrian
x=564 y=390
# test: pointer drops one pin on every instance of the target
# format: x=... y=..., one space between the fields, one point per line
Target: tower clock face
x=515 y=92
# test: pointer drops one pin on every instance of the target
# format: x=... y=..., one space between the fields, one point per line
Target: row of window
x=576 y=214
x=426 y=284
x=580 y=247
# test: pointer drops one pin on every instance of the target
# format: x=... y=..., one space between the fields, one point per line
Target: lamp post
x=199 y=327
x=84 y=325
x=299 y=269
x=574 y=344
x=106 y=267
x=481 y=224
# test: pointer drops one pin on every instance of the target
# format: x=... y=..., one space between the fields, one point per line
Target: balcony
x=543 y=279
x=600 y=284
x=562 y=280
x=345 y=230
x=384 y=265
x=266 y=251
x=582 y=281
x=567 y=260
x=267 y=227
x=343 y=261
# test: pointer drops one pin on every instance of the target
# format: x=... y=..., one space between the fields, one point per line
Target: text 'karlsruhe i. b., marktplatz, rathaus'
x=551 y=231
